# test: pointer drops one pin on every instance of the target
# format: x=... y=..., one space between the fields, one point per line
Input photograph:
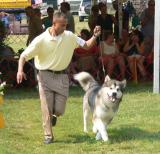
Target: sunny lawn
x=134 y=130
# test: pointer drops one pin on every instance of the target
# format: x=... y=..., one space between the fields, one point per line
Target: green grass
x=134 y=130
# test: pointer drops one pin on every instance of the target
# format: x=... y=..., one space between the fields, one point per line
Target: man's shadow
x=128 y=133
x=116 y=135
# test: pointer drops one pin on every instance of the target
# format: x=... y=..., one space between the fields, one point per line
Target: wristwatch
x=95 y=36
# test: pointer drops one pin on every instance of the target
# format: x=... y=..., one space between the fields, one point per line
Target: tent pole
x=156 y=82
x=120 y=17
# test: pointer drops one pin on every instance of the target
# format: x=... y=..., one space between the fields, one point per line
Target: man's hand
x=20 y=74
x=92 y=41
x=97 y=31
x=20 y=77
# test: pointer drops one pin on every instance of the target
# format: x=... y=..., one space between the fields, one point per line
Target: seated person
x=133 y=49
x=122 y=41
x=5 y=50
x=111 y=55
x=148 y=53
x=85 y=60
x=147 y=49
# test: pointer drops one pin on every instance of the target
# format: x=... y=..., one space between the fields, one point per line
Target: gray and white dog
x=102 y=100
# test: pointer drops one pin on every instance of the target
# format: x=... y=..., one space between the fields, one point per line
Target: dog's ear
x=107 y=78
x=123 y=84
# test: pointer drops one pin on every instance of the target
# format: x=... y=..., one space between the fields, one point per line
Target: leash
x=102 y=62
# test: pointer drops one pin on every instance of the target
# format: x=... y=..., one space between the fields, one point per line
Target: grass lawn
x=134 y=130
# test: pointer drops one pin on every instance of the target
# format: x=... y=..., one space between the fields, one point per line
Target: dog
x=102 y=100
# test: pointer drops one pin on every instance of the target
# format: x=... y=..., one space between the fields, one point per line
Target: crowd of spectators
x=118 y=56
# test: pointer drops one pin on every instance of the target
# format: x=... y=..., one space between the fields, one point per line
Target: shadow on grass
x=21 y=93
x=131 y=88
x=31 y=93
x=75 y=139
x=76 y=91
x=132 y=133
x=82 y=138
x=123 y=134
x=140 y=87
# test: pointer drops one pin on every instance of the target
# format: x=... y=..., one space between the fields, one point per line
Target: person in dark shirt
x=37 y=12
x=47 y=21
x=105 y=20
x=65 y=8
x=125 y=19
x=147 y=20
x=34 y=24
x=93 y=17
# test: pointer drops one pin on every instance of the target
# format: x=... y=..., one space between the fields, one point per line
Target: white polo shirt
x=52 y=53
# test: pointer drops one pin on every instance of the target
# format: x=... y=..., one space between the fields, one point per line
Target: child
x=85 y=60
x=111 y=56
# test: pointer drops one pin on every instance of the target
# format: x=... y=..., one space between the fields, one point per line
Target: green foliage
x=134 y=130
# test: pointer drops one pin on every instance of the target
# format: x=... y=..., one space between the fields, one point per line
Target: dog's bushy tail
x=84 y=79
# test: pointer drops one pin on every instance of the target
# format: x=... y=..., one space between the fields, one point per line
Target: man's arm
x=30 y=52
x=20 y=74
x=90 y=43
x=92 y=40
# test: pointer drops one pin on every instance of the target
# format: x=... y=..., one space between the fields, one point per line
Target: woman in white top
x=111 y=56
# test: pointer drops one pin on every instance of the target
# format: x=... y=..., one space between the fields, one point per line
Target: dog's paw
x=105 y=139
x=94 y=129
x=98 y=136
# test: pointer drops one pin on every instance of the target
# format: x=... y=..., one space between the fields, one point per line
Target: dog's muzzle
x=113 y=98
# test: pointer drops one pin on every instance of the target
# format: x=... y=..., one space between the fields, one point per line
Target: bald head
x=59 y=16
x=59 y=22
